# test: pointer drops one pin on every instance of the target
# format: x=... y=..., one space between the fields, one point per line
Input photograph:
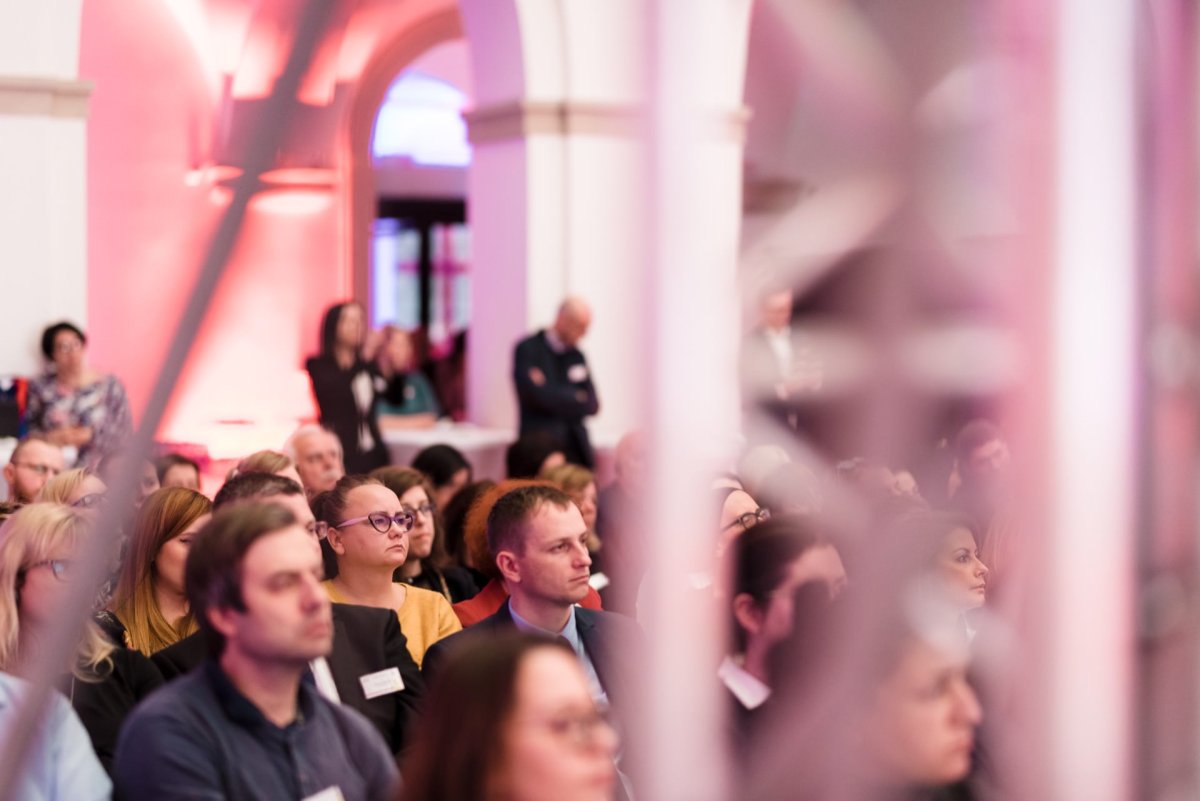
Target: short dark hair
x=524 y=458
x=763 y=555
x=213 y=575
x=454 y=517
x=249 y=486
x=53 y=331
x=506 y=522
x=470 y=702
x=440 y=463
x=165 y=462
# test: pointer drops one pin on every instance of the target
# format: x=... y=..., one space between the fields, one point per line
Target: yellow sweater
x=425 y=618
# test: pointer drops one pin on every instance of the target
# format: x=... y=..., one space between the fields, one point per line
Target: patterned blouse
x=101 y=406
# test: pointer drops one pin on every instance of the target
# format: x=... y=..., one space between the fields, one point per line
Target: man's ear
x=222 y=619
x=334 y=538
x=10 y=476
x=509 y=567
x=747 y=613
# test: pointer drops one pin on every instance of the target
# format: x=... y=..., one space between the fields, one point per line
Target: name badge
x=577 y=372
x=328 y=794
x=381 y=683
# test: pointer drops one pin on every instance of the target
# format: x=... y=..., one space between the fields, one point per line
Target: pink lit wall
x=153 y=200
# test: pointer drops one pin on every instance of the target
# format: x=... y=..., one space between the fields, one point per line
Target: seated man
x=34 y=462
x=317 y=454
x=370 y=665
x=246 y=724
x=770 y=561
x=539 y=540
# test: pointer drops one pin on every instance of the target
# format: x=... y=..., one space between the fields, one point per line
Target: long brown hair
x=400 y=480
x=165 y=515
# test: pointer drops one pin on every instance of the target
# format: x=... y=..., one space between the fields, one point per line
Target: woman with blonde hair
x=103 y=682
x=78 y=487
x=150 y=606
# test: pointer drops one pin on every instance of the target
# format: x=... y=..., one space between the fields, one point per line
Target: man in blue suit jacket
x=554 y=385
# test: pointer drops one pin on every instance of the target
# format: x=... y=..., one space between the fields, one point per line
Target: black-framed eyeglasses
x=760 y=515
x=59 y=567
x=383 y=522
x=428 y=509
x=91 y=501
x=40 y=469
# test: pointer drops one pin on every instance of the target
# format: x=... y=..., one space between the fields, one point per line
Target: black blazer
x=613 y=642
x=365 y=640
x=558 y=405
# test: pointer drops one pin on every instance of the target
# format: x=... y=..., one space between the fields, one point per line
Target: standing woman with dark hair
x=511 y=718
x=347 y=385
x=427 y=565
x=72 y=405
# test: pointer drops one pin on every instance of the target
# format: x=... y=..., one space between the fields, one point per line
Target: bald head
x=574 y=317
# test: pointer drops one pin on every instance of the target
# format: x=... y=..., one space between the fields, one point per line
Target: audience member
x=947 y=542
x=427 y=565
x=245 y=725
x=33 y=462
x=115 y=464
x=149 y=608
x=495 y=592
x=447 y=468
x=348 y=386
x=272 y=462
x=72 y=405
x=176 y=470
x=532 y=454
x=792 y=488
x=511 y=719
x=580 y=484
x=540 y=544
x=770 y=561
x=317 y=455
x=37 y=551
x=621 y=514
x=779 y=369
x=61 y=765
x=367 y=642
x=454 y=527
x=554 y=386
x=980 y=470
x=78 y=487
x=368 y=534
x=418 y=405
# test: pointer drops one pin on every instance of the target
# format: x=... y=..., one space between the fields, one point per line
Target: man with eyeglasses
x=247 y=724
x=368 y=645
x=34 y=462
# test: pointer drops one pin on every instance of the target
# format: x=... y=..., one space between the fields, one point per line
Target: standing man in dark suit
x=554 y=385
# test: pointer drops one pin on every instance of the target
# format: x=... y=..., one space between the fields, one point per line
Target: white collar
x=748 y=689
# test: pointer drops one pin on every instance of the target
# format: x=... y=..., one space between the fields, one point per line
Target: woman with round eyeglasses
x=510 y=718
x=367 y=530
x=103 y=681
x=427 y=565
x=72 y=405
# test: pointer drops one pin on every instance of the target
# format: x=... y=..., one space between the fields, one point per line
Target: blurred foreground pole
x=1095 y=370
x=688 y=310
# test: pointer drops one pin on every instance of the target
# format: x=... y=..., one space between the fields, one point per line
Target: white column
x=1094 y=375
x=43 y=107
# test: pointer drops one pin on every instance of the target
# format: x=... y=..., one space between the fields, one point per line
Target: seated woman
x=367 y=529
x=149 y=608
x=73 y=406
x=580 y=484
x=427 y=565
x=348 y=385
x=448 y=470
x=418 y=406
x=37 y=546
x=511 y=718
x=78 y=487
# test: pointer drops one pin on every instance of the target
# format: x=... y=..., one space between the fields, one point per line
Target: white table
x=483 y=447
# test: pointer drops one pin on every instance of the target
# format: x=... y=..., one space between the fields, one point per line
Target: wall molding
x=521 y=118
x=44 y=97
